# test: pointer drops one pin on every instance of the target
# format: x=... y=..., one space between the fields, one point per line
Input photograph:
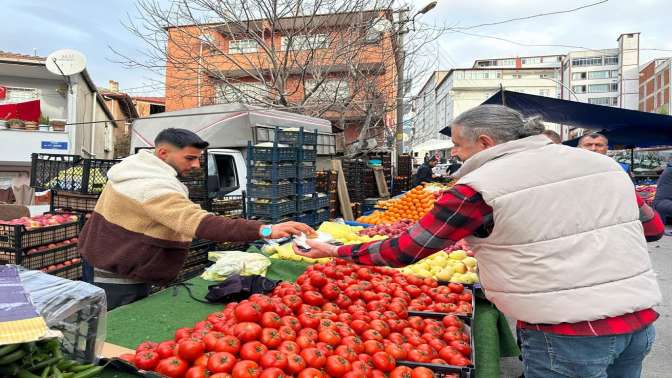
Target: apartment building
x=654 y=87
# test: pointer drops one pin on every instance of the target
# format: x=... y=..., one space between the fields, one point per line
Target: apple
x=67 y=263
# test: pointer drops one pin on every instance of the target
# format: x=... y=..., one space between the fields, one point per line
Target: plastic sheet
x=75 y=308
x=235 y=262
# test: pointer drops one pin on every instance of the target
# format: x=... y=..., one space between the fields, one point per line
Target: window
x=329 y=91
x=506 y=62
x=240 y=92
x=598 y=74
x=242 y=46
x=598 y=88
x=579 y=88
x=545 y=92
x=578 y=76
x=611 y=60
x=600 y=101
x=614 y=87
x=222 y=175
x=582 y=62
x=306 y=42
x=517 y=76
x=535 y=60
x=613 y=74
x=15 y=95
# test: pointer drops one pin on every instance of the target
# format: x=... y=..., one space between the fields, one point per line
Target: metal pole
x=400 y=58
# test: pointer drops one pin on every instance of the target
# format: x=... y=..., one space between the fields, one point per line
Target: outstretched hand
x=286 y=229
x=317 y=250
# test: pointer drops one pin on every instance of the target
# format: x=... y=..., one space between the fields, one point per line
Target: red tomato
x=318 y=279
x=221 y=362
x=289 y=347
x=229 y=344
x=343 y=301
x=287 y=333
x=273 y=373
x=345 y=317
x=346 y=352
x=295 y=363
x=273 y=358
x=217 y=317
x=290 y=321
x=248 y=312
x=330 y=291
x=330 y=337
x=311 y=373
x=384 y=362
x=147 y=360
x=361 y=367
x=264 y=301
x=292 y=301
x=221 y=375
x=449 y=336
x=271 y=320
x=456 y=288
x=310 y=333
x=331 y=307
x=146 y=345
x=373 y=346
x=182 y=333
x=271 y=337
x=372 y=334
x=206 y=325
x=173 y=367
x=197 y=372
x=247 y=331
x=381 y=326
x=203 y=360
x=395 y=351
x=462 y=347
x=452 y=320
x=190 y=349
x=354 y=342
x=314 y=357
x=166 y=349
x=313 y=298
x=397 y=338
x=211 y=339
x=422 y=372
x=401 y=372
x=416 y=355
x=305 y=341
x=309 y=320
x=253 y=350
x=246 y=369
x=337 y=366
x=437 y=344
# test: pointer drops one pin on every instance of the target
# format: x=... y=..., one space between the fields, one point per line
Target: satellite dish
x=66 y=62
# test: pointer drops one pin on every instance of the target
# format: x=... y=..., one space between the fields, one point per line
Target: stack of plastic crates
x=271 y=178
x=194 y=264
x=310 y=202
x=231 y=207
x=51 y=249
x=327 y=182
x=75 y=182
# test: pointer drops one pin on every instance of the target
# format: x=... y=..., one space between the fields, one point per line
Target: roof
x=14 y=57
x=623 y=127
x=156 y=100
x=128 y=106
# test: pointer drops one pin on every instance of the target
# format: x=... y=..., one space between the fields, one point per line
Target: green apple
x=445 y=274
x=460 y=268
x=469 y=262
x=458 y=255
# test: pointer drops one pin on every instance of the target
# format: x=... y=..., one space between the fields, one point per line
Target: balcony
x=17 y=145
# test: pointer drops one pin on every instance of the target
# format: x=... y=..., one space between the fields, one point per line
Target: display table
x=157 y=317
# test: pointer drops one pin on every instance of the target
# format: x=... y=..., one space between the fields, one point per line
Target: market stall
x=157 y=317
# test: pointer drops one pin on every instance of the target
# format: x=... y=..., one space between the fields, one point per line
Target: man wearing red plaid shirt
x=560 y=237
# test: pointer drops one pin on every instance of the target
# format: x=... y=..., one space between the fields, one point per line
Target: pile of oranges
x=413 y=205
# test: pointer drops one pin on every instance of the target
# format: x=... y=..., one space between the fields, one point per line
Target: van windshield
x=222 y=171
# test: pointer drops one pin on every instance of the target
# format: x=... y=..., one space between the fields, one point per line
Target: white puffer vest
x=567 y=243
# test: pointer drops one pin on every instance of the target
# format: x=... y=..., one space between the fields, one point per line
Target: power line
x=532 y=16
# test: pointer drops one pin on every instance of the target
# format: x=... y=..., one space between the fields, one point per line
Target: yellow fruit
x=469 y=261
x=445 y=274
x=460 y=268
x=458 y=255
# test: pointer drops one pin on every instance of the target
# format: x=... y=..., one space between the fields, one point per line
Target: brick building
x=654 y=87
x=326 y=74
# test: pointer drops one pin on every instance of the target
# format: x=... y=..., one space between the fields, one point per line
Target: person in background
x=454 y=166
x=595 y=142
x=424 y=173
x=553 y=136
x=573 y=270
x=662 y=202
x=144 y=221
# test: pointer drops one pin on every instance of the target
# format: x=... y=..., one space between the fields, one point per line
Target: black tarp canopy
x=623 y=127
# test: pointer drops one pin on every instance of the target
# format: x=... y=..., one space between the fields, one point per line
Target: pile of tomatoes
x=337 y=320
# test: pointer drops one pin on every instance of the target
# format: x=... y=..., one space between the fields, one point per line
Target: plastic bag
x=76 y=308
x=228 y=263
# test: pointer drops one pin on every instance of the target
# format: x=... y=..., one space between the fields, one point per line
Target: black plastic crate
x=71 y=272
x=198 y=253
x=71 y=173
x=272 y=171
x=68 y=201
x=40 y=259
x=305 y=204
x=17 y=237
x=321 y=202
x=298 y=137
x=272 y=154
x=303 y=218
x=271 y=190
x=321 y=215
x=305 y=171
x=305 y=187
x=270 y=210
x=307 y=155
x=229 y=206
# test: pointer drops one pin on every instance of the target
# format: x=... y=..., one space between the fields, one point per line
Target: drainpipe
x=93 y=123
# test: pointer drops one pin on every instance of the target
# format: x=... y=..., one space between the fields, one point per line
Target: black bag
x=236 y=288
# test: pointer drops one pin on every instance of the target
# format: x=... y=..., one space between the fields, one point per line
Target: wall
x=17 y=145
x=629 y=64
x=85 y=131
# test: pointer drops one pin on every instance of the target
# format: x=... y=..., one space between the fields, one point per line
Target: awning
x=434 y=145
x=623 y=127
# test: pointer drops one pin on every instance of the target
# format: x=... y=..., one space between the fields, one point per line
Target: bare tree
x=325 y=58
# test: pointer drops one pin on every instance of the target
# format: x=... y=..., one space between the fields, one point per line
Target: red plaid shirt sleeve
x=457 y=214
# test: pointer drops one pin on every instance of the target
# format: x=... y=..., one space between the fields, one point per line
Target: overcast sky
x=93 y=26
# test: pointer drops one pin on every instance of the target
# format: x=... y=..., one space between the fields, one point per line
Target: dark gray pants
x=122 y=294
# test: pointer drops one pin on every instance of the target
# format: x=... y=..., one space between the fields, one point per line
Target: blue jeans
x=546 y=355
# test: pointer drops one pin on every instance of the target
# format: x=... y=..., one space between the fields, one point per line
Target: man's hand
x=317 y=250
x=283 y=230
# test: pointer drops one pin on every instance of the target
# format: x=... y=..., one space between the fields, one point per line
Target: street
x=658 y=364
